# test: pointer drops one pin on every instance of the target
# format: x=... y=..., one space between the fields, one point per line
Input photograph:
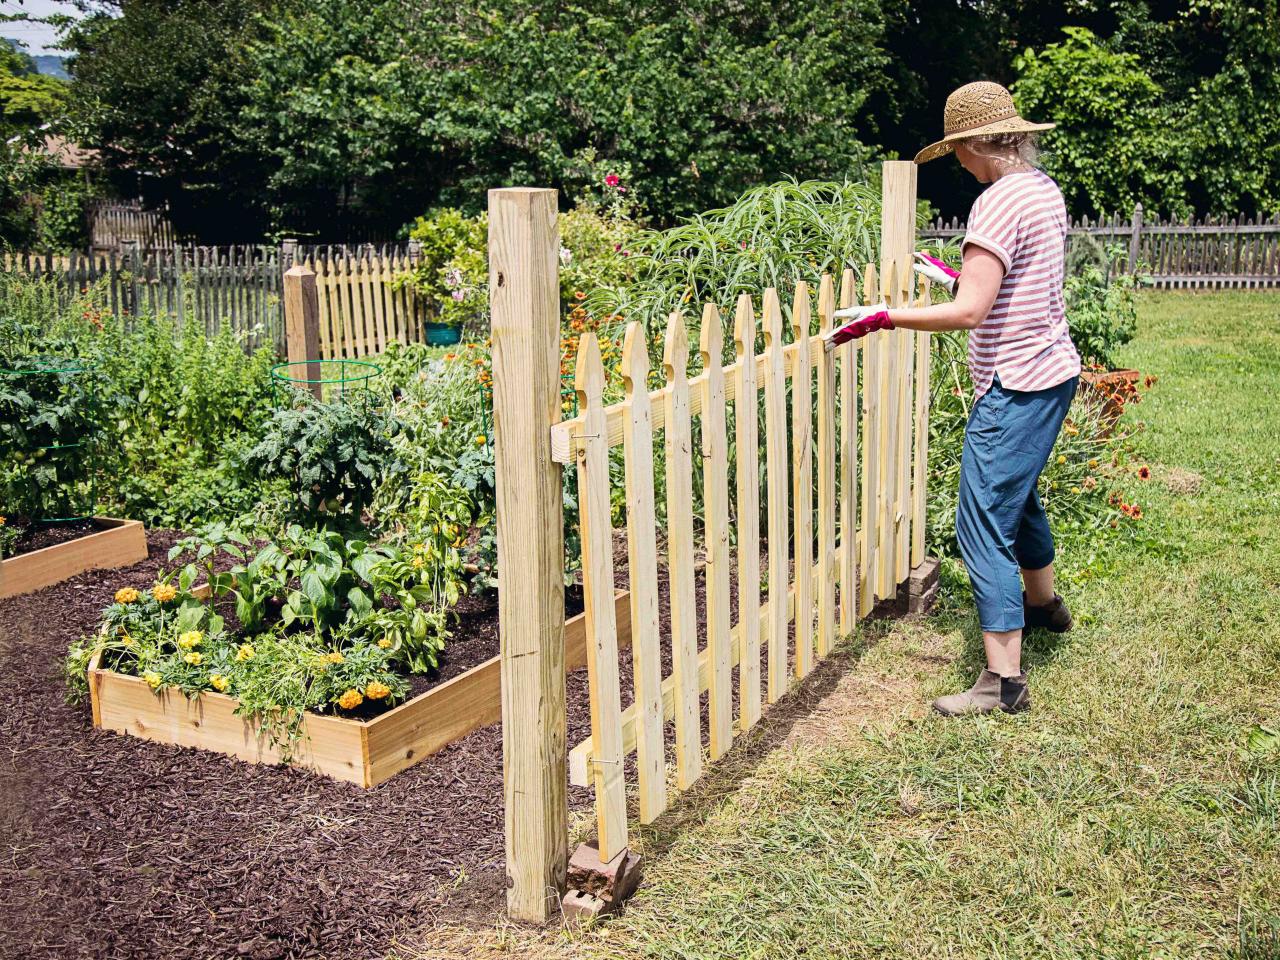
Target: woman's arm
x=982 y=274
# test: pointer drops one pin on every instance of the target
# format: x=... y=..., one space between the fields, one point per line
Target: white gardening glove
x=936 y=272
x=858 y=322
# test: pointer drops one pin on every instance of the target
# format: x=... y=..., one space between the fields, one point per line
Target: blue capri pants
x=1000 y=522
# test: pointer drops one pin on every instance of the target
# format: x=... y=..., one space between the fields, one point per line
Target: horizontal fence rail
x=364 y=299
x=1207 y=254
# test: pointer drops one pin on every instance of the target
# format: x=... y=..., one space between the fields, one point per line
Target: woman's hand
x=860 y=322
x=936 y=271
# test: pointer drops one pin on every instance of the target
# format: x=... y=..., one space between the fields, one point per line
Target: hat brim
x=1009 y=125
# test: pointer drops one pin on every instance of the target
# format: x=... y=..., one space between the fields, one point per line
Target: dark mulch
x=36 y=536
x=116 y=847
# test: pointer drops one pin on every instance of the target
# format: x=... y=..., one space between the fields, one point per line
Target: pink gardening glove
x=860 y=322
x=936 y=271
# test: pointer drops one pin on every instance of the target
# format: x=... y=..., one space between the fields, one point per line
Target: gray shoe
x=991 y=692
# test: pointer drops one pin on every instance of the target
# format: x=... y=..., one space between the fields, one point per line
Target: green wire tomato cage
x=75 y=456
x=336 y=379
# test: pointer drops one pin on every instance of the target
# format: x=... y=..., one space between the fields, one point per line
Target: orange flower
x=164 y=592
x=1144 y=472
x=376 y=690
x=127 y=595
x=351 y=699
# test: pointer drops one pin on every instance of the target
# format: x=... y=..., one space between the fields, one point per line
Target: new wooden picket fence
x=1210 y=253
x=364 y=303
x=851 y=424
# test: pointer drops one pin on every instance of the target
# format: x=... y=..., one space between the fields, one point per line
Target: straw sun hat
x=975 y=110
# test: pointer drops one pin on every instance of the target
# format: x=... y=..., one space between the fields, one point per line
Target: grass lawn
x=1134 y=812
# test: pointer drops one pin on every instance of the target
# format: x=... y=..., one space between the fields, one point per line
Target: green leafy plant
x=334 y=455
x=1102 y=311
x=453 y=272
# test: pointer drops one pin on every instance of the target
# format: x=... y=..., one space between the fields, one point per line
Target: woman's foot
x=991 y=692
x=1054 y=616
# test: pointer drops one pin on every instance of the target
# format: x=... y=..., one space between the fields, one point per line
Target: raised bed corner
x=115 y=543
x=363 y=752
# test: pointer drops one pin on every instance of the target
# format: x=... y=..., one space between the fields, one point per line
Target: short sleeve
x=993 y=225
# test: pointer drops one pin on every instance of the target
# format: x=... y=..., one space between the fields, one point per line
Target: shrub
x=1102 y=311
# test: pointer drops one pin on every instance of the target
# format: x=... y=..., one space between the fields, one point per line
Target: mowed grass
x=1134 y=812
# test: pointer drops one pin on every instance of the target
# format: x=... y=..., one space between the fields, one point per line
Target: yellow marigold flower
x=384 y=644
x=481 y=439
x=193 y=658
x=152 y=678
x=245 y=652
x=1 y=521
x=164 y=592
x=376 y=690
x=126 y=595
x=335 y=657
x=1061 y=459
x=190 y=639
x=350 y=700
x=219 y=682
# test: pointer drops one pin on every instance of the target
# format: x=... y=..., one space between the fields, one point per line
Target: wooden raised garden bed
x=363 y=752
x=114 y=543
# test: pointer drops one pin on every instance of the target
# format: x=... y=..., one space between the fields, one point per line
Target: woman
x=1024 y=367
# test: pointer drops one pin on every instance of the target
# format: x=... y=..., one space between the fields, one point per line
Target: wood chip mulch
x=113 y=847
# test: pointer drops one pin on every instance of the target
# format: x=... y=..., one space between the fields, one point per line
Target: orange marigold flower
x=351 y=699
x=377 y=691
x=164 y=592
x=127 y=595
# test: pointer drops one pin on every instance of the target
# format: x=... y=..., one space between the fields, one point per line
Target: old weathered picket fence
x=114 y=223
x=364 y=303
x=866 y=456
x=1211 y=253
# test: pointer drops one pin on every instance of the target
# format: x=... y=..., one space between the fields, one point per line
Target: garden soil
x=114 y=847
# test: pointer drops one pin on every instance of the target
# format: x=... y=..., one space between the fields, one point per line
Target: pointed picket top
x=826 y=302
x=848 y=287
x=801 y=312
x=870 y=285
x=635 y=360
x=744 y=328
x=675 y=352
x=772 y=318
x=887 y=290
x=588 y=379
x=711 y=338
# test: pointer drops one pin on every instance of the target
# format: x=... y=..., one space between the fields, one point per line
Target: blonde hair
x=1011 y=148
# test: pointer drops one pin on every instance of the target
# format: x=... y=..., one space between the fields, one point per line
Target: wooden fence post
x=1134 y=249
x=302 y=324
x=524 y=303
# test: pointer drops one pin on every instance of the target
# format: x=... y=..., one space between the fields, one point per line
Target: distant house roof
x=68 y=155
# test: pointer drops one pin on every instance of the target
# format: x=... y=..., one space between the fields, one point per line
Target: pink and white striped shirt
x=1022 y=219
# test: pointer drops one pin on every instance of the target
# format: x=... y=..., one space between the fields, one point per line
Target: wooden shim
x=524 y=300
x=116 y=543
x=848 y=533
x=715 y=485
x=778 y=489
x=920 y=476
x=802 y=474
x=642 y=564
x=827 y=566
x=594 y=511
x=580 y=757
x=678 y=438
x=747 y=443
x=871 y=369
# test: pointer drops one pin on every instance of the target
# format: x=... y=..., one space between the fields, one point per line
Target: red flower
x=612 y=180
x=1144 y=472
